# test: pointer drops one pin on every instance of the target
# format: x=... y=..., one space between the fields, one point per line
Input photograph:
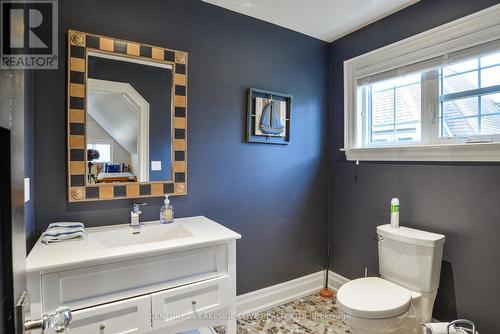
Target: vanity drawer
x=81 y=288
x=190 y=302
x=131 y=316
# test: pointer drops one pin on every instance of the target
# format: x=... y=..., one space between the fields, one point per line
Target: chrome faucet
x=135 y=215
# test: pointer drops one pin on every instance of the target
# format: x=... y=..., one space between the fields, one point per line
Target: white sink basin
x=128 y=236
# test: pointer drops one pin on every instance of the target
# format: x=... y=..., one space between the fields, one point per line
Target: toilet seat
x=373 y=298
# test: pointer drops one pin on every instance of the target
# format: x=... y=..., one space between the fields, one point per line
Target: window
x=469 y=104
x=394 y=111
x=434 y=96
x=105 y=150
x=470 y=98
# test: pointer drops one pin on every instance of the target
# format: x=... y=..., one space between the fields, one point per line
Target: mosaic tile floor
x=311 y=314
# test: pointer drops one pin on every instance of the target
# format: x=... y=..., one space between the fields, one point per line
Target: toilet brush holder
x=459 y=324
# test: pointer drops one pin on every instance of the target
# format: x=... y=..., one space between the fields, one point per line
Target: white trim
x=481 y=152
x=473 y=30
x=335 y=281
x=469 y=31
x=130 y=60
x=206 y=330
x=106 y=86
x=279 y=294
x=378 y=18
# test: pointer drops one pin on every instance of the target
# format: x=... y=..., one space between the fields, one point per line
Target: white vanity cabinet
x=131 y=316
x=160 y=287
x=202 y=299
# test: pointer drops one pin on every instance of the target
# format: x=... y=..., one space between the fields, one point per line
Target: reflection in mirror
x=129 y=134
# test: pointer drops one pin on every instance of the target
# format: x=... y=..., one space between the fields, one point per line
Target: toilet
x=403 y=297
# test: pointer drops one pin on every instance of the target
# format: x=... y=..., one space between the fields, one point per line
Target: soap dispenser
x=166 y=212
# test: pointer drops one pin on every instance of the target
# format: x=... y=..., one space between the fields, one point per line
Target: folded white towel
x=66 y=225
x=66 y=231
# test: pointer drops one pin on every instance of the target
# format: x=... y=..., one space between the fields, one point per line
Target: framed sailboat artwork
x=268 y=117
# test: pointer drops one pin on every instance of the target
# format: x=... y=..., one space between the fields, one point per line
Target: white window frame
x=468 y=32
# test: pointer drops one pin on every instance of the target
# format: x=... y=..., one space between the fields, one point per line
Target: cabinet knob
x=59 y=321
x=102 y=327
x=193 y=302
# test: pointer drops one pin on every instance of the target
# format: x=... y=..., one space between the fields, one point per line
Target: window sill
x=479 y=152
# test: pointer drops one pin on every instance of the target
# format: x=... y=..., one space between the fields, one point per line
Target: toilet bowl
x=404 y=295
x=373 y=305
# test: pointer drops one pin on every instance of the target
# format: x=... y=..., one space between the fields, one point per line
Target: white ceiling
x=327 y=20
x=116 y=114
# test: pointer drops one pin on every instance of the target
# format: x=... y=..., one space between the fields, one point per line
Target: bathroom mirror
x=126 y=119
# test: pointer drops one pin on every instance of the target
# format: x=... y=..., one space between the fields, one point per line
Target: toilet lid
x=373 y=298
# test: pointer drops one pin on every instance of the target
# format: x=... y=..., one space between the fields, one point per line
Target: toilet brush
x=326 y=292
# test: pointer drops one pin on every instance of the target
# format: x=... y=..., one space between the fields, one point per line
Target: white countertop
x=86 y=252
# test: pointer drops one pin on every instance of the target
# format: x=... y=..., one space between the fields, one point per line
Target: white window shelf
x=482 y=152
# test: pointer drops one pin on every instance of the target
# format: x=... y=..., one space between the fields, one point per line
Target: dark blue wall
x=275 y=196
x=458 y=200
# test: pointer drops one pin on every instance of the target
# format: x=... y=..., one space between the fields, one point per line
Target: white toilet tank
x=410 y=258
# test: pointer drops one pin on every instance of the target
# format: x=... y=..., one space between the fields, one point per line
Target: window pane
x=477 y=111
x=383 y=107
x=462 y=127
x=493 y=59
x=409 y=132
x=408 y=113
x=408 y=103
x=490 y=124
x=460 y=118
x=382 y=134
x=460 y=82
x=490 y=76
x=460 y=108
x=395 y=113
x=382 y=116
x=460 y=67
x=490 y=104
x=104 y=152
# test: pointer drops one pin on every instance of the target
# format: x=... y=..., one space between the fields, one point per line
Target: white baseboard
x=335 y=281
x=200 y=331
x=279 y=294
x=267 y=298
